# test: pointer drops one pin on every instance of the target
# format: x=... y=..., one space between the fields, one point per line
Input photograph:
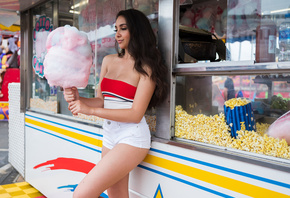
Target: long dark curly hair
x=142 y=47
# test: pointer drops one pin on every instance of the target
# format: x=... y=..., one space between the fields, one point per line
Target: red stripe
x=119 y=88
x=71 y=164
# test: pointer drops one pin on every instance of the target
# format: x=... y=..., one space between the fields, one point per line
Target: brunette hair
x=142 y=47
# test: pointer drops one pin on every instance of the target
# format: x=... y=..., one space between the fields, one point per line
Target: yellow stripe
x=87 y=139
x=212 y=178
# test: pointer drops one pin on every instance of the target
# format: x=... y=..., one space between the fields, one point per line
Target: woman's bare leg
x=112 y=169
x=119 y=188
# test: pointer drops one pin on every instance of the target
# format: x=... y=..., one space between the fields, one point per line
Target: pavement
x=8 y=174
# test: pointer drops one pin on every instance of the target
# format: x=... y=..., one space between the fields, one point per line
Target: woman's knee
x=83 y=193
x=119 y=189
x=118 y=192
x=79 y=194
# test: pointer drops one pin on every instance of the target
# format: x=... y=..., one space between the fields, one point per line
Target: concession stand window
x=97 y=20
x=228 y=79
x=46 y=18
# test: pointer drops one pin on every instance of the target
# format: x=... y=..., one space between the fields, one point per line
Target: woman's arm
x=93 y=102
x=142 y=98
x=72 y=94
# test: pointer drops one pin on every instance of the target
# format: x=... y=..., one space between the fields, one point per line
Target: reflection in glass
x=210 y=97
x=255 y=30
x=206 y=114
x=82 y=15
x=44 y=97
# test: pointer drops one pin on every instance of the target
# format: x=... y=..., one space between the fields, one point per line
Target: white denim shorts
x=134 y=134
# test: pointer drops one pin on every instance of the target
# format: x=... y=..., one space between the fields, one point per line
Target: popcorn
x=262 y=128
x=50 y=105
x=89 y=117
x=151 y=121
x=262 y=144
x=210 y=129
x=234 y=102
x=239 y=115
x=214 y=130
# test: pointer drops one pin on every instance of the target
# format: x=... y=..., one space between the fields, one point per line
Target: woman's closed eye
x=121 y=29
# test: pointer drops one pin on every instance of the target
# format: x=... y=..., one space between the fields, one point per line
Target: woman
x=130 y=82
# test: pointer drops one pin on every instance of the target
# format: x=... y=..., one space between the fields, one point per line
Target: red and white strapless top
x=117 y=94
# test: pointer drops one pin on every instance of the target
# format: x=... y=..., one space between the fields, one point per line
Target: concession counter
x=223 y=130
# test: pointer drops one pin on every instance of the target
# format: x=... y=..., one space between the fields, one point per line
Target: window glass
x=105 y=44
x=44 y=97
x=106 y=15
x=80 y=14
x=233 y=30
x=235 y=112
x=84 y=17
x=97 y=20
x=150 y=9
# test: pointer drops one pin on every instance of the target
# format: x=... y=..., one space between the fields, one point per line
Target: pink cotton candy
x=68 y=59
x=281 y=128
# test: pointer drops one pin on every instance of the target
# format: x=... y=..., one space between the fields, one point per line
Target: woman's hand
x=78 y=106
x=71 y=94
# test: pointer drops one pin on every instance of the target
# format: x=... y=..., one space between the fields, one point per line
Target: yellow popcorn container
x=239 y=115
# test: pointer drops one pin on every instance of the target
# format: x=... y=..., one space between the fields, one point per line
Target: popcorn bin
x=239 y=115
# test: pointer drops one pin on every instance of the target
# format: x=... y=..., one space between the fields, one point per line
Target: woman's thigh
x=105 y=150
x=114 y=166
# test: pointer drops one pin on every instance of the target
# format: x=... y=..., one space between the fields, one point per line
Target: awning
x=12 y=28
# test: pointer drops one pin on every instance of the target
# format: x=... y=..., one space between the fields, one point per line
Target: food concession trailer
x=196 y=151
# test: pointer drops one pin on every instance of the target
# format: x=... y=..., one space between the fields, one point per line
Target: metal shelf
x=231 y=68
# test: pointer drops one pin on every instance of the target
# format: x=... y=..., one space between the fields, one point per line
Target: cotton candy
x=281 y=128
x=68 y=59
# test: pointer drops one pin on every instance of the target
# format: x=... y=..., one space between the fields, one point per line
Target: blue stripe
x=223 y=168
x=104 y=195
x=270 y=181
x=185 y=182
x=96 y=134
x=158 y=190
x=72 y=188
x=64 y=139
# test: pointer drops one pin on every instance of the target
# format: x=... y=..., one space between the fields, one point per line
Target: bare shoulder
x=107 y=60
x=110 y=57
